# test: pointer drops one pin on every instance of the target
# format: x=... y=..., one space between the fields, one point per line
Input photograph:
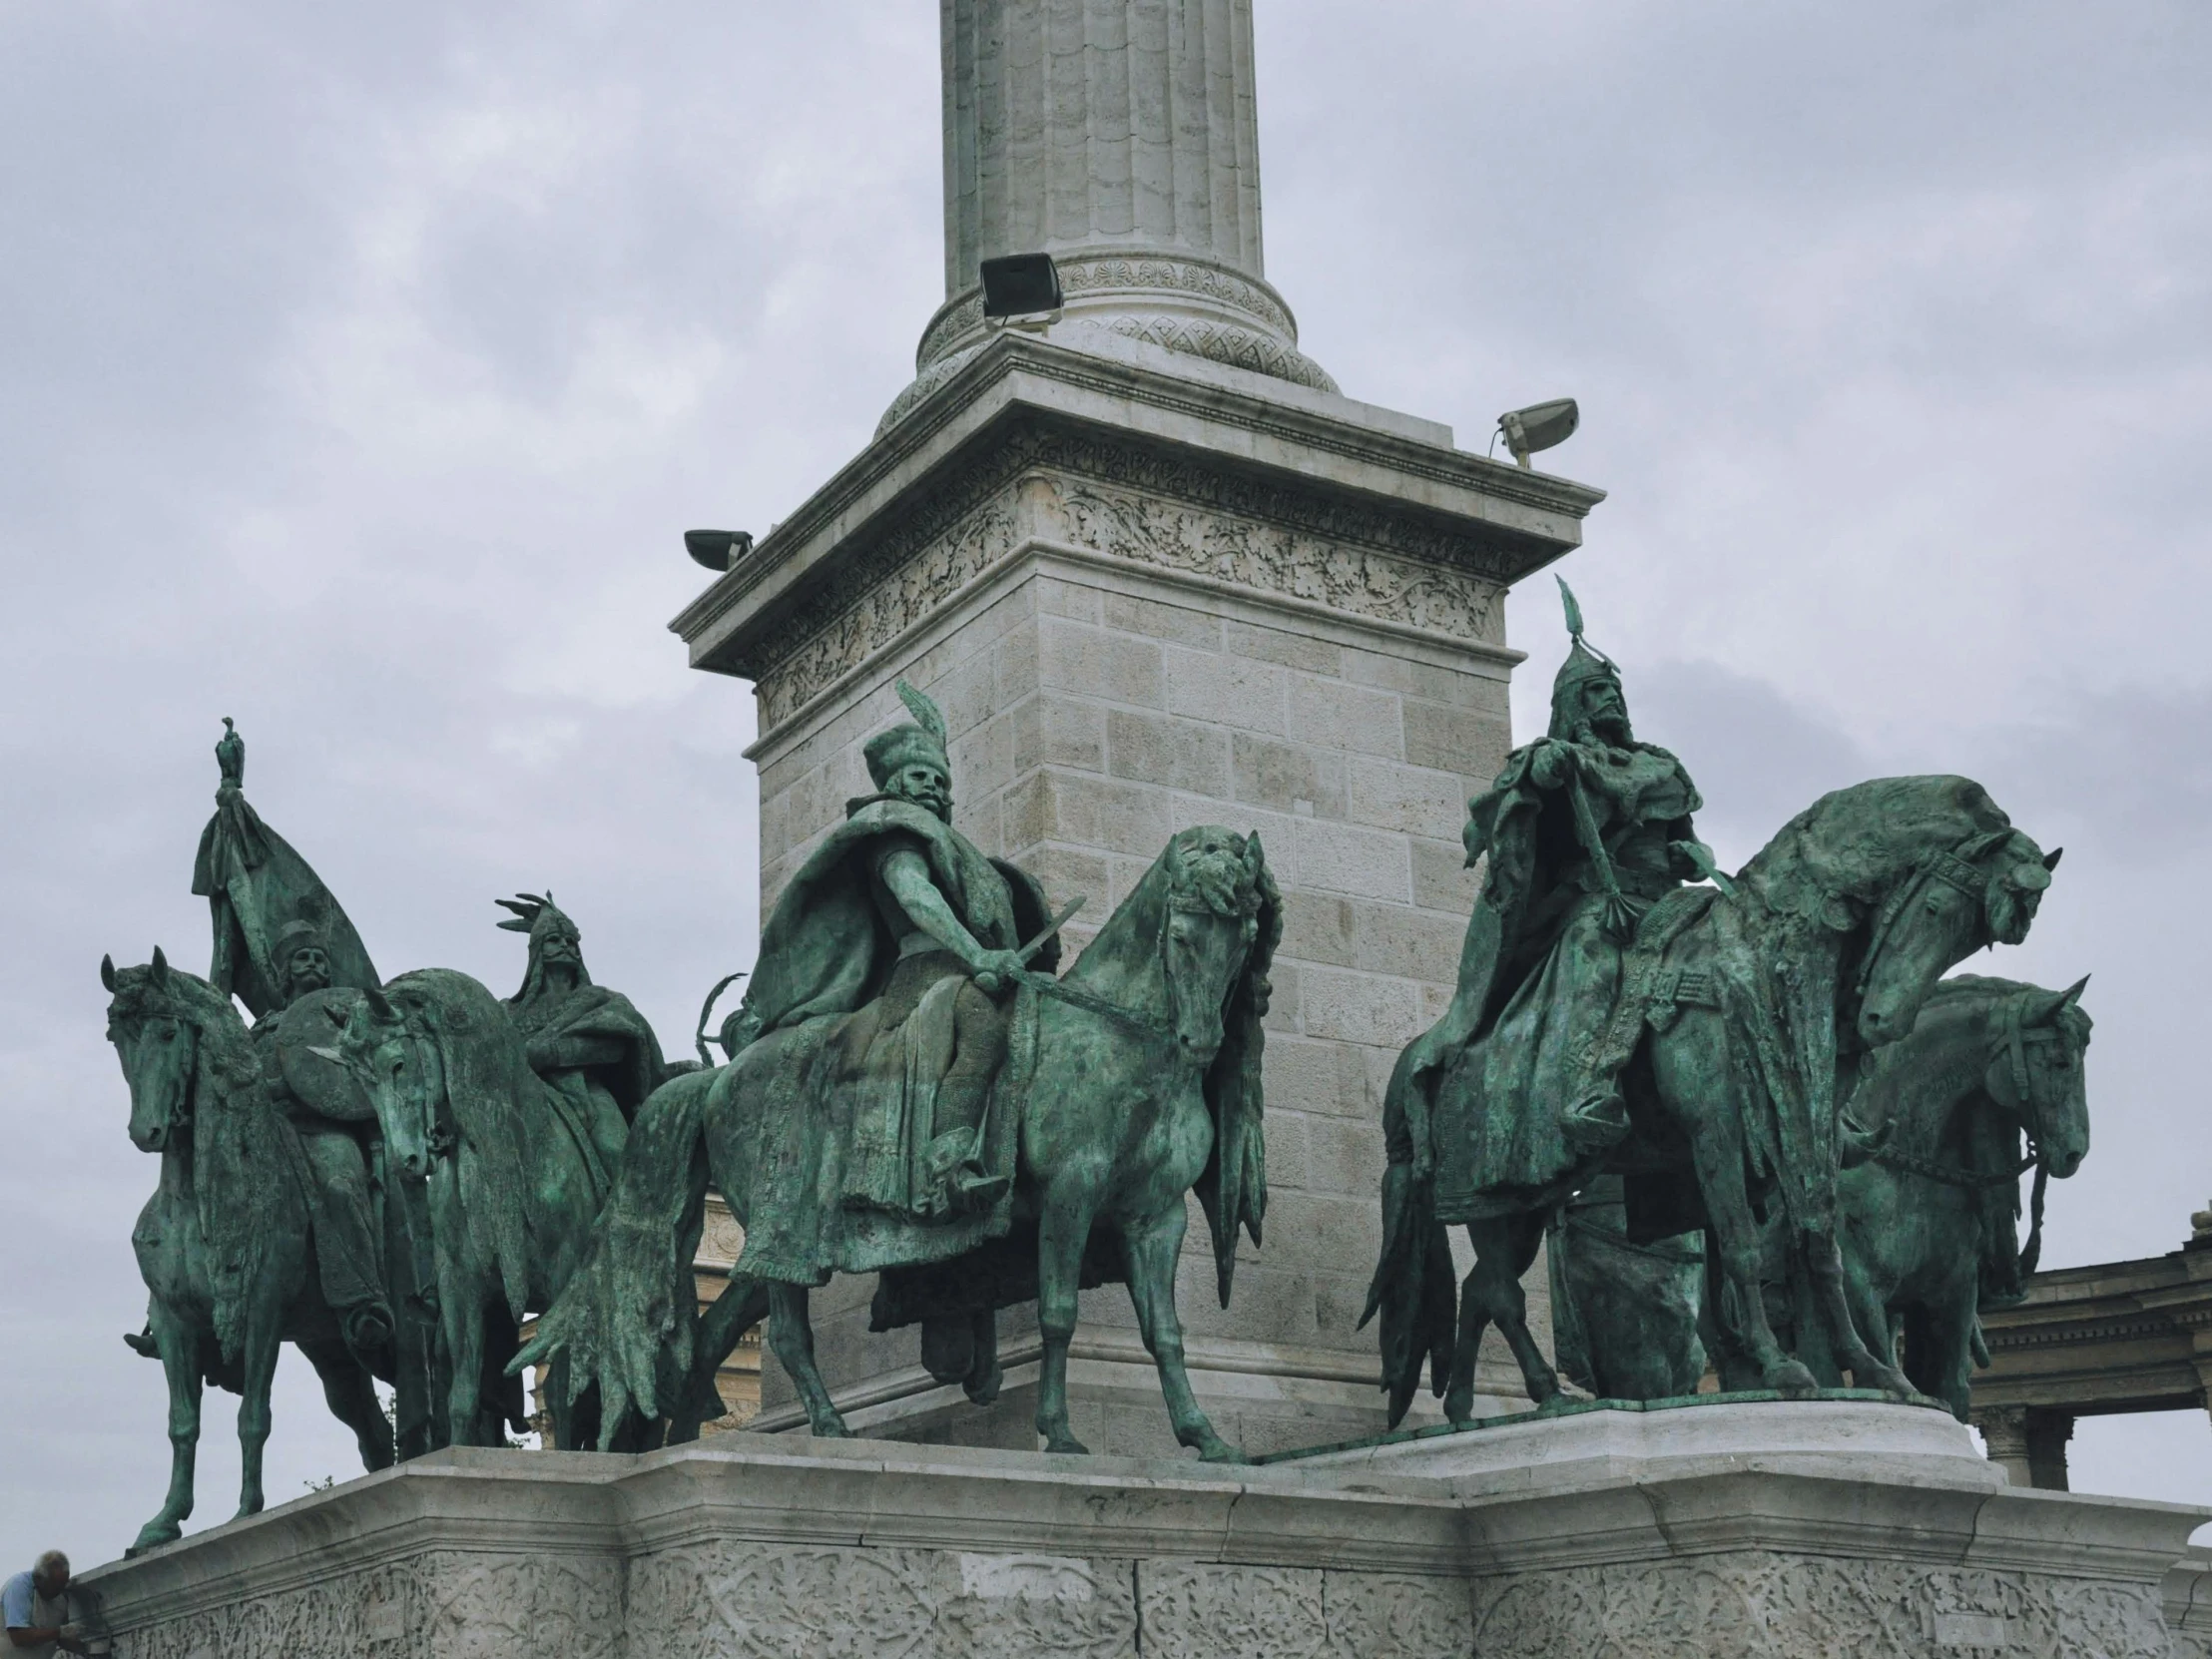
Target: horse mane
x=487 y=1076
x=1853 y=843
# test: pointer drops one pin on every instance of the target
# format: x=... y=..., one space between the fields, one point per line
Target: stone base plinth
x=1827 y=1527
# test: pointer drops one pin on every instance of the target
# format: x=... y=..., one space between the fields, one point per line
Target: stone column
x=1154 y=584
x=2004 y=1438
x=1120 y=137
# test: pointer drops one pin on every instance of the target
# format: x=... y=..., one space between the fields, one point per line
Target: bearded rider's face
x=1606 y=712
x=924 y=785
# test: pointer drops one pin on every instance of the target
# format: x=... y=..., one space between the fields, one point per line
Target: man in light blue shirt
x=35 y=1607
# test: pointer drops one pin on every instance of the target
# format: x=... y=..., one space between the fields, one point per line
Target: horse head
x=1983 y=892
x=403 y=1073
x=2035 y=1072
x=1219 y=888
x=157 y=1037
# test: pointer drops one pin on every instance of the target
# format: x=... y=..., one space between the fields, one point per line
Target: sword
x=1051 y=927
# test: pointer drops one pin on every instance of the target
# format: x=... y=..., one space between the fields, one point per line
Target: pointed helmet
x=1582 y=667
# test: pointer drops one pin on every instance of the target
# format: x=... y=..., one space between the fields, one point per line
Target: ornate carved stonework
x=442 y=1605
x=1750 y=1607
x=1274 y=559
x=1130 y=502
x=751 y=1602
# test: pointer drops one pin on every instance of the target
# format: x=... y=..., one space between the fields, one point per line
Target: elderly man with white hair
x=36 y=1608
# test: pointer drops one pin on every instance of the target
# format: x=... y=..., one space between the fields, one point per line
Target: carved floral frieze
x=1138 y=505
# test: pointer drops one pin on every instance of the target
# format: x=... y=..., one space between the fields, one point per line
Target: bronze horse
x=224 y=1244
x=1743 y=1004
x=1141 y=1083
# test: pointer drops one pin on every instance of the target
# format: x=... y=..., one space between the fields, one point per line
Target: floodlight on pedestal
x=717 y=549
x=1021 y=291
x=1539 y=427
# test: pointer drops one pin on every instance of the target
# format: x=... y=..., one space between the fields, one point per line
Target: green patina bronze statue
x=285 y=947
x=1931 y=1202
x=585 y=1040
x=1689 y=1038
x=883 y=1111
x=224 y=1243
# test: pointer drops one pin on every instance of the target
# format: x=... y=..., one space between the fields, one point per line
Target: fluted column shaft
x=1072 y=124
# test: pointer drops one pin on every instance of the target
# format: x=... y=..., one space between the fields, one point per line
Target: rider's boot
x=1597 y=1121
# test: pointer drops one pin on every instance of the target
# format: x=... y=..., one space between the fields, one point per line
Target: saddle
x=1651 y=994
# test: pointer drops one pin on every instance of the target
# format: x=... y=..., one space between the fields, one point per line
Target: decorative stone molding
x=1223 y=342
x=1129 y=502
x=1747 y=1606
x=439 y=1602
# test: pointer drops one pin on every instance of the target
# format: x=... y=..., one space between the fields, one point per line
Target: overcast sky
x=363 y=364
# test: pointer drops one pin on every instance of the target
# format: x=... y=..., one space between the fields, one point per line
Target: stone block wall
x=1094 y=709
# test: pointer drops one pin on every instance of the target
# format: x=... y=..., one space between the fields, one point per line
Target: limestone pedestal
x=1730 y=1530
x=1150 y=591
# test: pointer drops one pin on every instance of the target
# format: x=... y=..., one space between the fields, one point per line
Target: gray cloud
x=363 y=367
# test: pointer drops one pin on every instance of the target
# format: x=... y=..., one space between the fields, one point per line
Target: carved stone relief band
x=1134 y=505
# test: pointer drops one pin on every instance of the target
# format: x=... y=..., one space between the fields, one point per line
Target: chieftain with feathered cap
x=898 y=917
x=590 y=1043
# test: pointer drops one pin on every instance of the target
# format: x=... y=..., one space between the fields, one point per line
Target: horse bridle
x=2011 y=1038
x=1954 y=868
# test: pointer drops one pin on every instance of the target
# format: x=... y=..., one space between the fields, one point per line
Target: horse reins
x=2013 y=1039
x=1953 y=868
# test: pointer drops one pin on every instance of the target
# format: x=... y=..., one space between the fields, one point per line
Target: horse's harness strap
x=1911 y=1163
x=1684 y=988
x=1045 y=985
x=1947 y=867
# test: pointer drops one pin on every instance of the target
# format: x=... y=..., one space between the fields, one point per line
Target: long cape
x=254 y=886
x=825 y=950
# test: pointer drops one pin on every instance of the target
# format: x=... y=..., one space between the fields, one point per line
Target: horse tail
x=706 y=1012
x=625 y=1322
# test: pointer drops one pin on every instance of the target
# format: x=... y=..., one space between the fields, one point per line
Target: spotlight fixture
x=717 y=550
x=1021 y=291
x=1539 y=427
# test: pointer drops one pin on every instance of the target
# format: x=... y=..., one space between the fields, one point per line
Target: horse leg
x=1504 y=1249
x=1466 y=1346
x=264 y=1340
x=1152 y=1248
x=349 y=1392
x=1866 y=1306
x=742 y=1303
x=1825 y=1264
x=1063 y=1233
x=984 y=1376
x=464 y=1359
x=178 y=1343
x=1735 y=1240
x=791 y=1336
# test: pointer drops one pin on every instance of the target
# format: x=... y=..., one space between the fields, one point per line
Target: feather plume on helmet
x=920 y=742
x=537 y=915
x=1585 y=668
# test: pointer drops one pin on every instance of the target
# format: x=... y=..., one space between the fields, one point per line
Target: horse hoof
x=1792 y=1381
x=153 y=1537
x=1215 y=1449
x=1066 y=1445
x=833 y=1431
x=985 y=1389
